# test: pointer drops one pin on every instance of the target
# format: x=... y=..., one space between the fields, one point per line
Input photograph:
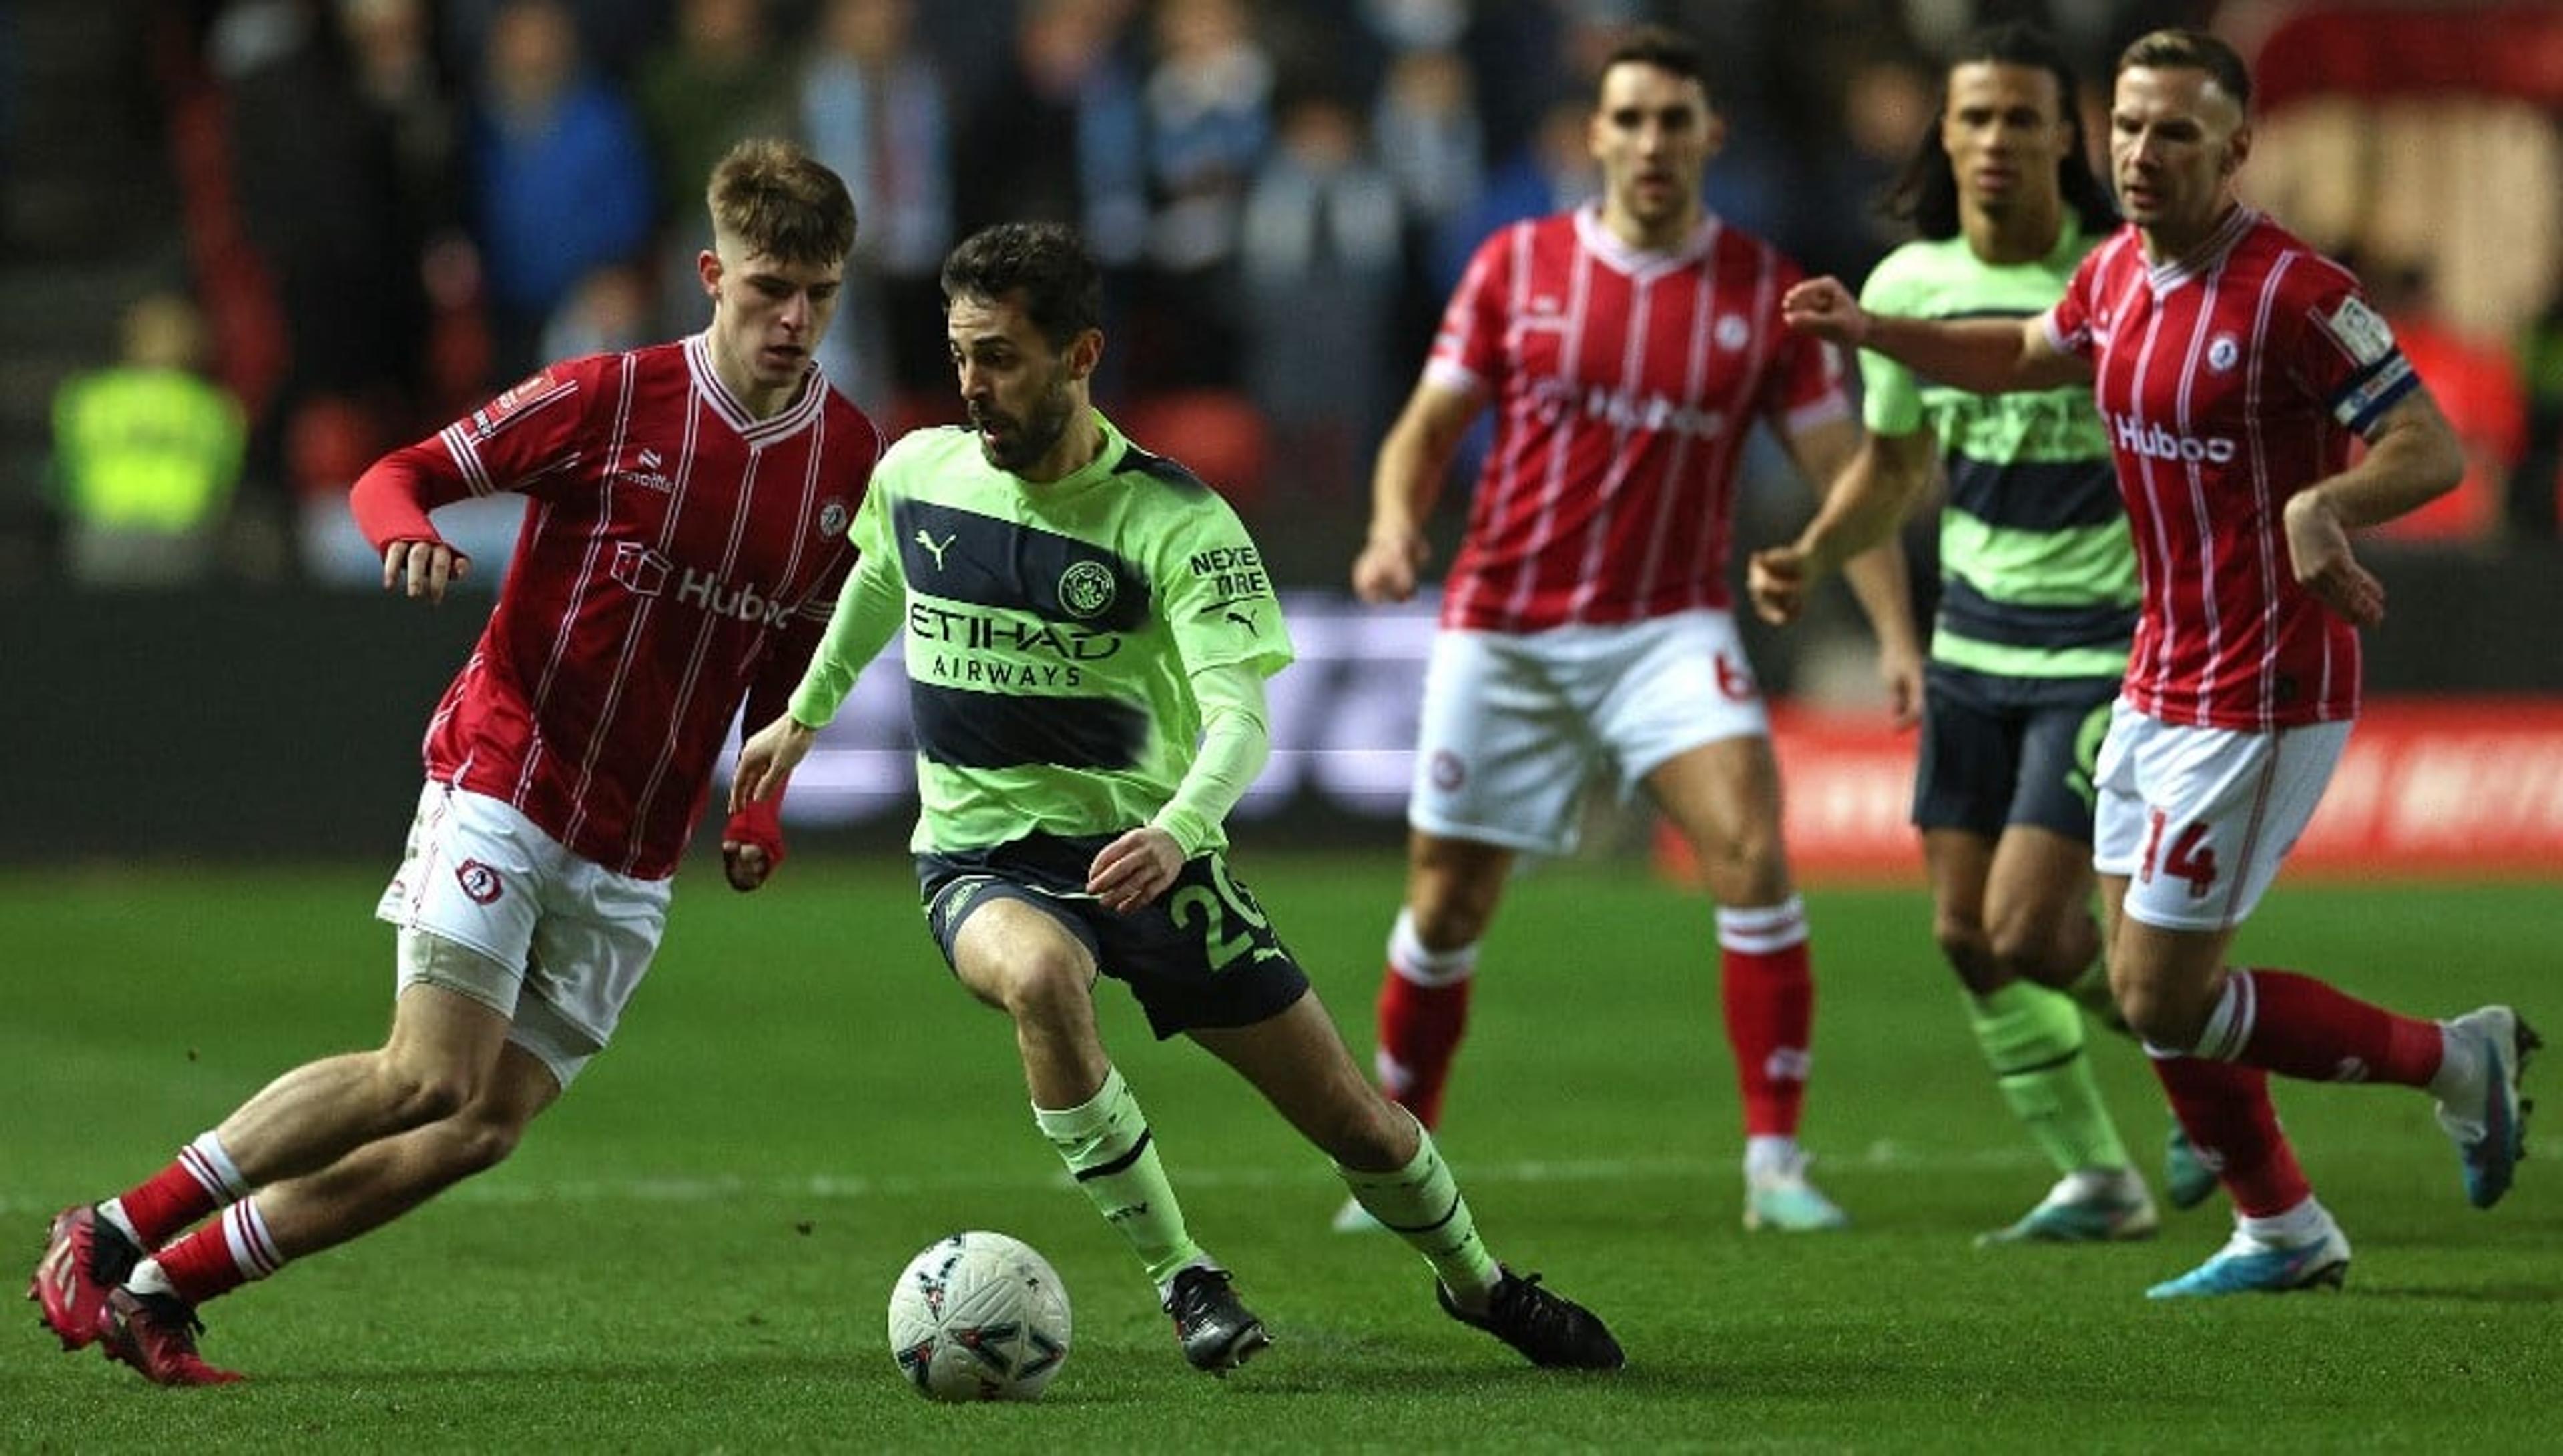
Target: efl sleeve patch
x=2358 y=328
x=522 y=397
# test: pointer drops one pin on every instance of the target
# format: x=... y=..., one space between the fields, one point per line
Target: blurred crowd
x=397 y=207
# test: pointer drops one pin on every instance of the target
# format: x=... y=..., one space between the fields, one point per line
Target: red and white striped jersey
x=2230 y=380
x=675 y=554
x=1625 y=384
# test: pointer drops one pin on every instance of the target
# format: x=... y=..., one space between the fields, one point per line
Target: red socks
x=2297 y=1026
x=1768 y=987
x=196 y=1182
x=222 y=1256
x=2225 y=1109
x=1419 y=1033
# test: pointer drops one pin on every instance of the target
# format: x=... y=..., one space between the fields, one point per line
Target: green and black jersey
x=2037 y=572
x=1050 y=632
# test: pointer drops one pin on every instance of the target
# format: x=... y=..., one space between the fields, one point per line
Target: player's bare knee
x=2022 y=952
x=1048 y=988
x=416 y=1090
x=2164 y=1016
x=1962 y=943
x=471 y=1145
x=1742 y=869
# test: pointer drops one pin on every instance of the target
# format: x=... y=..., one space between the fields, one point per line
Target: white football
x=979 y=1315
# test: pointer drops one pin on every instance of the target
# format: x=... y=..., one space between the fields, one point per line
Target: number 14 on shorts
x=2190 y=857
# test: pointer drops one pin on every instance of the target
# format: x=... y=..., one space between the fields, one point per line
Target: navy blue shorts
x=1201 y=955
x=2002 y=751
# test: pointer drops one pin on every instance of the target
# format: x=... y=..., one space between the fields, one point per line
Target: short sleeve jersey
x=1049 y=631
x=670 y=541
x=2228 y=381
x=1624 y=385
x=2038 y=574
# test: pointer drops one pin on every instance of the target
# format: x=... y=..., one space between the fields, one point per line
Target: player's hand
x=1827 y=310
x=1777 y=579
x=2319 y=550
x=1386 y=569
x=422 y=568
x=744 y=865
x=1134 y=869
x=1899 y=668
x=767 y=758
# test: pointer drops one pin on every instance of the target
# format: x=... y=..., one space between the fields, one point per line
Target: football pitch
x=694 y=1250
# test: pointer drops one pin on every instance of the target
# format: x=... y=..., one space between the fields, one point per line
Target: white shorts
x=2198 y=818
x=1517 y=726
x=578 y=936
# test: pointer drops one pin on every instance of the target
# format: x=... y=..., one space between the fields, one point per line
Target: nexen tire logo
x=646 y=573
x=2155 y=443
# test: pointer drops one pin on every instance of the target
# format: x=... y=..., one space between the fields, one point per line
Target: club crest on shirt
x=1732 y=332
x=1087 y=589
x=833 y=518
x=2221 y=352
x=479 y=882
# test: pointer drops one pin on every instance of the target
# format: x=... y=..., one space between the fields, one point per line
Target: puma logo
x=1243 y=619
x=937 y=547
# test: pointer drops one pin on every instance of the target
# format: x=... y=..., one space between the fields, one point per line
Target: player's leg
x=2043 y=941
x=442 y=1054
x=2226 y=807
x=2039 y=935
x=2006 y=894
x=442 y=1045
x=588 y=958
x=1453 y=889
x=467 y=897
x=1724 y=798
x=1016 y=951
x=1396 y=1174
x=152 y=1317
x=590 y=946
x=2283 y=1238
x=1501 y=766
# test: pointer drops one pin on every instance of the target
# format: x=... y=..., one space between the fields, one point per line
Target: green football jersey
x=1050 y=632
x=2038 y=571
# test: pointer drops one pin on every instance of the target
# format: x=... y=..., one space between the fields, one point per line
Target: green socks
x=2033 y=1040
x=1108 y=1151
x=1421 y=1205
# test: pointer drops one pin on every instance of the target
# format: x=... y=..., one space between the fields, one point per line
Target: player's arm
x=1980 y=355
x=1405 y=481
x=1236 y=741
x=1874 y=571
x=2413 y=458
x=390 y=502
x=1871 y=496
x=867 y=617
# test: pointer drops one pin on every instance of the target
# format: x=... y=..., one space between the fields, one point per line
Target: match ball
x=979 y=1315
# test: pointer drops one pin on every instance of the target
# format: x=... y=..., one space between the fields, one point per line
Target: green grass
x=693 y=1253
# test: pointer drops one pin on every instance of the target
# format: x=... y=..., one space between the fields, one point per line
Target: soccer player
x=1086 y=630
x=2232 y=364
x=684 y=541
x=2037 y=601
x=1627 y=348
